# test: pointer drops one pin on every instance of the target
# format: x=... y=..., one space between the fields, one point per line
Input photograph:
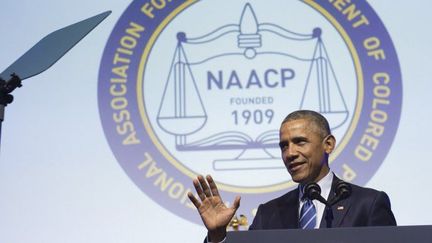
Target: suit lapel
x=339 y=210
x=289 y=210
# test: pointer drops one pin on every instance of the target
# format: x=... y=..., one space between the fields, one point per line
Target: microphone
x=313 y=191
x=343 y=190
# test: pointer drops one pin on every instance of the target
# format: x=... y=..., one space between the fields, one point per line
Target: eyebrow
x=299 y=139
x=295 y=140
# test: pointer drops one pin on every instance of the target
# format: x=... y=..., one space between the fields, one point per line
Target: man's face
x=304 y=150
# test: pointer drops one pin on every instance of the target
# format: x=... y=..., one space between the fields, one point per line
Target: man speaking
x=306 y=143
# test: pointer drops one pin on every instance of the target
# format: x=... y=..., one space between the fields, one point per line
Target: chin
x=298 y=180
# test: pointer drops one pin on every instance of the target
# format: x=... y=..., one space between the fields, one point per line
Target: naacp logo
x=200 y=87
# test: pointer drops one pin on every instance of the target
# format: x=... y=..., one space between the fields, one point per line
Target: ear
x=329 y=143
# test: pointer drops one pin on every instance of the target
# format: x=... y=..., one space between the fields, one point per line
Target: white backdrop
x=59 y=180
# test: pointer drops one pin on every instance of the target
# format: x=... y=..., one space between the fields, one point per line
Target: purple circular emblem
x=184 y=92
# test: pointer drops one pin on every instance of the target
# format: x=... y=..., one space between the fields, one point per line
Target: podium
x=379 y=234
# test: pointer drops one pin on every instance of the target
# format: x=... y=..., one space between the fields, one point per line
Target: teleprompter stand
x=42 y=56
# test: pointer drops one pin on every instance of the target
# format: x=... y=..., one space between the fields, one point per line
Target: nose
x=290 y=154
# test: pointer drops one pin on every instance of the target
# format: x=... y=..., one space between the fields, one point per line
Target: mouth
x=295 y=166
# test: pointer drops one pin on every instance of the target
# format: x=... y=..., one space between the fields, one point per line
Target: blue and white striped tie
x=308 y=215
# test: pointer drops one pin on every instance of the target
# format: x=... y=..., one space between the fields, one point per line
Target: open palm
x=214 y=214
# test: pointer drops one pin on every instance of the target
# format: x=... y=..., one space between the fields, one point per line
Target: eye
x=283 y=146
x=300 y=141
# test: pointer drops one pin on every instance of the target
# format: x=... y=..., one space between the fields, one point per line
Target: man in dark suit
x=365 y=207
x=305 y=143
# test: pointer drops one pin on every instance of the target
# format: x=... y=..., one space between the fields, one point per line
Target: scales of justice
x=182 y=110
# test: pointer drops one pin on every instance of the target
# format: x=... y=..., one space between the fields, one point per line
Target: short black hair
x=319 y=120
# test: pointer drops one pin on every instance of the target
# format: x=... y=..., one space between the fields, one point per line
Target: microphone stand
x=328 y=216
x=42 y=56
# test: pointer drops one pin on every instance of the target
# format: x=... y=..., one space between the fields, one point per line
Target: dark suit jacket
x=365 y=207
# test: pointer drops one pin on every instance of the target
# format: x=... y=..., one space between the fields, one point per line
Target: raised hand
x=214 y=214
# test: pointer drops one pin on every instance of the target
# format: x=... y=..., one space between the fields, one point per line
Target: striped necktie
x=308 y=215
